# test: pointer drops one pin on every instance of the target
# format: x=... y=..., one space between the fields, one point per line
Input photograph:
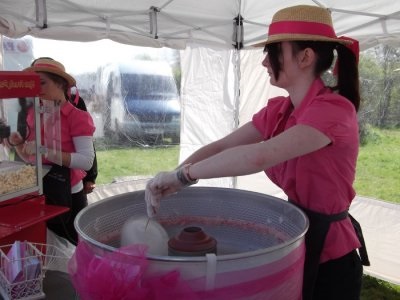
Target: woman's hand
x=88 y=187
x=30 y=148
x=15 y=139
x=18 y=142
x=163 y=184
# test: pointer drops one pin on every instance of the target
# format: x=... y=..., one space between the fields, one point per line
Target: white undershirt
x=82 y=158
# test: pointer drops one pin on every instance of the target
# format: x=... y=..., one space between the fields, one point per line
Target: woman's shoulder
x=78 y=119
x=74 y=112
x=333 y=101
x=278 y=99
x=278 y=104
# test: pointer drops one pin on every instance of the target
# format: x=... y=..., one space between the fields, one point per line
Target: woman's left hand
x=88 y=187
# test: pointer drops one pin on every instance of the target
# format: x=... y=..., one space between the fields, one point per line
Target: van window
x=148 y=87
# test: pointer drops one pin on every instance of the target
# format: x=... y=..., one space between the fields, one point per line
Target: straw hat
x=302 y=23
x=51 y=66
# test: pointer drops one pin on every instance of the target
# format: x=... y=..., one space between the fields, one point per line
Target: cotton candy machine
x=260 y=240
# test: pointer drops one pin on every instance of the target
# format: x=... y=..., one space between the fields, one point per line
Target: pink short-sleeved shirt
x=74 y=123
x=321 y=181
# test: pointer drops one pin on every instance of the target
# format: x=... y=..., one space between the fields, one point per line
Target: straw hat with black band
x=302 y=23
x=51 y=66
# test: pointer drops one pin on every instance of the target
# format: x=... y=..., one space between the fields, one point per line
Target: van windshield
x=148 y=87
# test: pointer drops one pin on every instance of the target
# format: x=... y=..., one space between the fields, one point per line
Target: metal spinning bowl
x=251 y=229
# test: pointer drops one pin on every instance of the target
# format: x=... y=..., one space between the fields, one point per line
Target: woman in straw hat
x=307 y=144
x=63 y=184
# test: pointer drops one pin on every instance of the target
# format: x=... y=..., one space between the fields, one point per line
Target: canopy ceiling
x=173 y=23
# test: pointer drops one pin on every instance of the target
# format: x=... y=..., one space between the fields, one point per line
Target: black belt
x=315 y=239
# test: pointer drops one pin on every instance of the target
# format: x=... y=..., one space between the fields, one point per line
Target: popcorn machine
x=23 y=211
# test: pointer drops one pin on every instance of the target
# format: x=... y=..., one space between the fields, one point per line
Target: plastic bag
x=115 y=276
x=119 y=275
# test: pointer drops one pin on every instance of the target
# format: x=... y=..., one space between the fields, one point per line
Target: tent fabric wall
x=209 y=75
x=207 y=99
x=381 y=230
x=255 y=90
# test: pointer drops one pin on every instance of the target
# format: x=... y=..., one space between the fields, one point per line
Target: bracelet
x=187 y=167
x=184 y=177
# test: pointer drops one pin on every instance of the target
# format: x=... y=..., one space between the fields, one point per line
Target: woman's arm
x=247 y=134
x=233 y=157
x=83 y=156
x=252 y=158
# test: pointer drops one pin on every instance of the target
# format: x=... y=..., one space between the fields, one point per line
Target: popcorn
x=15 y=180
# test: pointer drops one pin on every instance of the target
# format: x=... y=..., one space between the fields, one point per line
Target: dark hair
x=274 y=52
x=348 y=82
x=347 y=77
x=42 y=57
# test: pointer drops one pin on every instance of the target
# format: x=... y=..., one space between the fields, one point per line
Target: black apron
x=57 y=191
x=315 y=239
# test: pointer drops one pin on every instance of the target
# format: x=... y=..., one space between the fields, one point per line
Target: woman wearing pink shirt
x=307 y=144
x=63 y=184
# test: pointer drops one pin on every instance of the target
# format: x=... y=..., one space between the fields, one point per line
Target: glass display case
x=29 y=134
x=18 y=94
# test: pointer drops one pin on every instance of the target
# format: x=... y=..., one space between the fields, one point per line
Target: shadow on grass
x=375 y=289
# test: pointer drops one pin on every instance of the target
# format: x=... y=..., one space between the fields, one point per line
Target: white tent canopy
x=172 y=23
x=221 y=87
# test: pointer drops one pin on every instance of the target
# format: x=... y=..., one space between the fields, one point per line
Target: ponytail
x=345 y=69
x=348 y=84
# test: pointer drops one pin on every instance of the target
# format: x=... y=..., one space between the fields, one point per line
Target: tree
x=379 y=86
x=390 y=59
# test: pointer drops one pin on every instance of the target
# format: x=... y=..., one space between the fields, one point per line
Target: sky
x=80 y=57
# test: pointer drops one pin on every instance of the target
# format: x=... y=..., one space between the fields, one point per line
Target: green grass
x=378 y=167
x=376 y=289
x=135 y=161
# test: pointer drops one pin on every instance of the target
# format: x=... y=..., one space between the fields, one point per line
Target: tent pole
x=238 y=44
x=153 y=21
x=236 y=64
x=41 y=13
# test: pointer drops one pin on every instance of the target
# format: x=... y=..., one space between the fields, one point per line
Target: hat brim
x=71 y=80
x=300 y=37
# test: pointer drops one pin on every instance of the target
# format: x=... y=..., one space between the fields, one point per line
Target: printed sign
x=14 y=84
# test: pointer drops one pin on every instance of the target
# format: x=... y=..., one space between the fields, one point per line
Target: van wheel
x=175 y=140
x=154 y=139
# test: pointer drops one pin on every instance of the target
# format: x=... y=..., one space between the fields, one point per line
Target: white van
x=141 y=101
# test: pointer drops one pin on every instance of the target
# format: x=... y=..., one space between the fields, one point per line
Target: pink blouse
x=74 y=123
x=321 y=181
